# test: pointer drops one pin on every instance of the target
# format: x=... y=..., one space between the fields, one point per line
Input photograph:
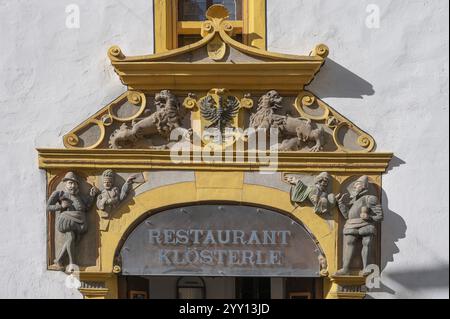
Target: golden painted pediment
x=217 y=61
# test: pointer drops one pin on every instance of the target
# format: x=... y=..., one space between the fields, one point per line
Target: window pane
x=194 y=10
x=184 y=40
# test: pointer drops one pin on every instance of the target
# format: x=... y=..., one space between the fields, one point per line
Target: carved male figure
x=317 y=194
x=71 y=220
x=362 y=213
x=110 y=197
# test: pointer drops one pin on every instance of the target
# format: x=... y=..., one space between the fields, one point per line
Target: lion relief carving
x=168 y=117
x=296 y=132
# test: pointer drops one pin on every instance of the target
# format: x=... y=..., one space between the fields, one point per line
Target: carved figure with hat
x=362 y=213
x=71 y=208
x=110 y=197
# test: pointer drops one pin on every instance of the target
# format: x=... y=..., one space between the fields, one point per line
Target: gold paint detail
x=167 y=28
x=354 y=163
x=106 y=279
x=190 y=102
x=218 y=12
x=255 y=24
x=217 y=49
x=333 y=120
x=306 y=99
x=207 y=28
x=321 y=50
x=117 y=269
x=247 y=102
x=115 y=53
x=71 y=139
x=105 y=118
x=193 y=192
x=347 y=287
x=221 y=180
x=282 y=72
x=364 y=140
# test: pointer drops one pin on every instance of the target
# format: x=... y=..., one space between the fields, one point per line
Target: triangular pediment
x=134 y=109
x=174 y=89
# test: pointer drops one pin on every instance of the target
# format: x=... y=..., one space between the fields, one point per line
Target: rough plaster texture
x=391 y=81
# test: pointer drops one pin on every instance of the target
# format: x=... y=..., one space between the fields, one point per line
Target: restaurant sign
x=211 y=240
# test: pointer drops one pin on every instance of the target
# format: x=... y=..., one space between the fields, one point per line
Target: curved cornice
x=264 y=70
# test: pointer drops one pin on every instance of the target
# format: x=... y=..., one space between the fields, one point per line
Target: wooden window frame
x=167 y=28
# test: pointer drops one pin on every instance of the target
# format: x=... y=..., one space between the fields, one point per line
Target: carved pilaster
x=98 y=286
x=94 y=289
x=347 y=287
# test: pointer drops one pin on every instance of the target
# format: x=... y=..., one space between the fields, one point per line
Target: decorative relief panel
x=220 y=85
x=304 y=123
x=79 y=210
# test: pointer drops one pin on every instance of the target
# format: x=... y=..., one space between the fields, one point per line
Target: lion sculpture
x=168 y=117
x=296 y=132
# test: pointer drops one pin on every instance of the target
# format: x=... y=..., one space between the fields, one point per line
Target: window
x=194 y=10
x=178 y=22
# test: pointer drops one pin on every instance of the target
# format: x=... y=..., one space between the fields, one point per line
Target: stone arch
x=185 y=194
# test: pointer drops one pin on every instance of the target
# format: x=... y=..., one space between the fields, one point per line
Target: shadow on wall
x=393 y=229
x=417 y=279
x=335 y=81
x=395 y=162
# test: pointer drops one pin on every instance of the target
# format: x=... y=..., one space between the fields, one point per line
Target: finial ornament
x=217 y=11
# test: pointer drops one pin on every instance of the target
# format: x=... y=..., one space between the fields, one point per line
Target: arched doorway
x=220 y=251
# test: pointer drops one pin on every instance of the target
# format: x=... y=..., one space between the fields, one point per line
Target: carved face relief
x=358 y=187
x=72 y=187
x=271 y=99
x=322 y=183
x=107 y=184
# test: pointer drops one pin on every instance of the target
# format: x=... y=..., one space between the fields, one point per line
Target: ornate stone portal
x=174 y=100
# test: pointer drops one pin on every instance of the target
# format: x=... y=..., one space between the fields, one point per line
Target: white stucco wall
x=391 y=81
x=51 y=78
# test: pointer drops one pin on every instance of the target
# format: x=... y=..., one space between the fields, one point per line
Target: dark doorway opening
x=240 y=288
x=253 y=288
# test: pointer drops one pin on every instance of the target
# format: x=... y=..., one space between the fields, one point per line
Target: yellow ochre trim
x=340 y=162
x=188 y=193
x=167 y=27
